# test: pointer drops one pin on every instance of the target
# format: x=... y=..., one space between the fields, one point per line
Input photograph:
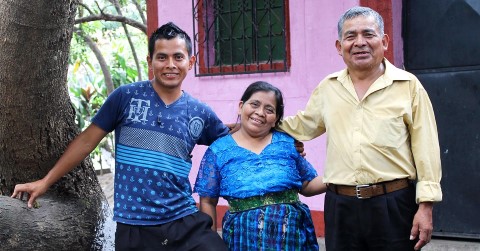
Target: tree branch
x=101 y=60
x=140 y=11
x=130 y=42
x=85 y=7
x=113 y=18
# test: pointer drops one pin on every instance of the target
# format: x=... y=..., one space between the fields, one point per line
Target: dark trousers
x=379 y=223
x=192 y=232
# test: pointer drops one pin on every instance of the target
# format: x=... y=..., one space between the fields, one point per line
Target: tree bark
x=60 y=223
x=37 y=121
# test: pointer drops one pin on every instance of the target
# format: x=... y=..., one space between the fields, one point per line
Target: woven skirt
x=274 y=227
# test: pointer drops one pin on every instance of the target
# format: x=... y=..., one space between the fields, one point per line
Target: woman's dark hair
x=261 y=86
x=168 y=31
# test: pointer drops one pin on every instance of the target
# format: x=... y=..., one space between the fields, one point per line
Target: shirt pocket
x=388 y=132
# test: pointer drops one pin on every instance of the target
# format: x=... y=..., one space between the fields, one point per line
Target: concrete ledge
x=452 y=245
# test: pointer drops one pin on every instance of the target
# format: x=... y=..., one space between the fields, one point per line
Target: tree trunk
x=37 y=122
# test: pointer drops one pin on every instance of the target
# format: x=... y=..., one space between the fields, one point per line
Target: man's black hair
x=169 y=31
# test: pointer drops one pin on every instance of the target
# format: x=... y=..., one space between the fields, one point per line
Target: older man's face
x=361 y=45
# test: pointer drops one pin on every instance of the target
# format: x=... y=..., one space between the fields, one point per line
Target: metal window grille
x=240 y=36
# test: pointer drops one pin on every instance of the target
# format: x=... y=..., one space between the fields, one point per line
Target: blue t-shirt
x=230 y=171
x=153 y=143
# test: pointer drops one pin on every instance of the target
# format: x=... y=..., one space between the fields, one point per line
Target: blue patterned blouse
x=230 y=171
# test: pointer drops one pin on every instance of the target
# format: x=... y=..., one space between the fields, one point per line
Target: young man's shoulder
x=134 y=88
x=198 y=106
x=193 y=100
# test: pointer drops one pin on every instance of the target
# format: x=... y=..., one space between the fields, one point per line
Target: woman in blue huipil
x=260 y=173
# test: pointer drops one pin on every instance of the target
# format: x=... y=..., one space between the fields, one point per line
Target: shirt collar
x=391 y=74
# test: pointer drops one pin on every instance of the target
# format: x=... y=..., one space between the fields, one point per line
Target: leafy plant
x=119 y=49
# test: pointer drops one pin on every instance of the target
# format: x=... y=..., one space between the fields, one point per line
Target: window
x=240 y=36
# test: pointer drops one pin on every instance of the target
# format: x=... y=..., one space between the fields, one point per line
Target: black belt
x=371 y=190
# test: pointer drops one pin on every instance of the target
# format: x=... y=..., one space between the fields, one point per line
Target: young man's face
x=170 y=63
x=361 y=45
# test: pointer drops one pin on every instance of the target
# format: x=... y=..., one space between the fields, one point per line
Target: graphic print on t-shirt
x=138 y=110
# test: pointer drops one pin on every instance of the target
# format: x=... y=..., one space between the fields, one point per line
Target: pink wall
x=313 y=55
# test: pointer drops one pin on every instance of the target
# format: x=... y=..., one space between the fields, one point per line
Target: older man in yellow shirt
x=383 y=160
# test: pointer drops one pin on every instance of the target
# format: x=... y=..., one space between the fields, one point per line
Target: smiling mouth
x=361 y=53
x=257 y=121
x=170 y=75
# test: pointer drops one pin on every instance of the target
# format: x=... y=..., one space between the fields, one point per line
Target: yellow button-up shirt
x=390 y=134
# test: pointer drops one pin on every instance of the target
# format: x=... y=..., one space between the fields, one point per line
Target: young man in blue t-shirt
x=156 y=127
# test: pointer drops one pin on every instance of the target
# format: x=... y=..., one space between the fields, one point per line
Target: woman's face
x=258 y=113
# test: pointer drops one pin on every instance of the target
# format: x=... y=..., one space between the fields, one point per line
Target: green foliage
x=87 y=100
x=121 y=72
x=85 y=78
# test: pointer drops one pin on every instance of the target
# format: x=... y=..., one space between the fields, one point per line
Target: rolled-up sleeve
x=425 y=149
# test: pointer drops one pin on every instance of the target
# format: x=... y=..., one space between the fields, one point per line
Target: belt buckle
x=357 y=191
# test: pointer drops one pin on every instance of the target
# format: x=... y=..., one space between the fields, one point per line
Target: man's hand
x=233 y=127
x=33 y=190
x=300 y=148
x=422 y=225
